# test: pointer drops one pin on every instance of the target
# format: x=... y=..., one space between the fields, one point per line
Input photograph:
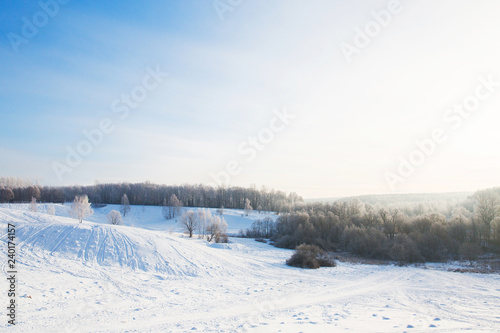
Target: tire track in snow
x=62 y=237
x=129 y=247
x=32 y=236
x=100 y=254
x=116 y=249
x=85 y=250
x=186 y=259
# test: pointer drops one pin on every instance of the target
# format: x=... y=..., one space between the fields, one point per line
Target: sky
x=326 y=98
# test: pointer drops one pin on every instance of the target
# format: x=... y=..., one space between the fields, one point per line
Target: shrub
x=404 y=250
x=216 y=229
x=310 y=256
x=286 y=242
x=365 y=242
x=470 y=251
x=221 y=238
x=114 y=217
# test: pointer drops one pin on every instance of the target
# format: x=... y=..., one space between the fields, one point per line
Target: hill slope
x=93 y=277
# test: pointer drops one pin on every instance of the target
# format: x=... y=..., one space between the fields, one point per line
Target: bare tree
x=470 y=251
x=80 y=208
x=114 y=217
x=390 y=221
x=487 y=208
x=33 y=207
x=495 y=226
x=189 y=222
x=125 y=208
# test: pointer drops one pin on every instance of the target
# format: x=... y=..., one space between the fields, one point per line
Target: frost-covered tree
x=114 y=217
x=217 y=229
x=203 y=217
x=189 y=222
x=51 y=210
x=80 y=208
x=33 y=207
x=34 y=191
x=487 y=208
x=153 y=195
x=172 y=207
x=248 y=207
x=220 y=210
x=176 y=204
x=125 y=207
x=6 y=195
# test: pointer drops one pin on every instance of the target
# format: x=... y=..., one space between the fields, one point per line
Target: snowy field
x=146 y=276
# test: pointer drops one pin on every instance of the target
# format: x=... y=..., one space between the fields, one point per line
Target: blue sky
x=353 y=120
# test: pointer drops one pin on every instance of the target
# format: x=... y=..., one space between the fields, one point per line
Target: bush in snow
x=217 y=229
x=310 y=256
x=114 y=217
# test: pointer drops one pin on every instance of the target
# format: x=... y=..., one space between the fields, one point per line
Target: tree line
x=405 y=233
x=155 y=195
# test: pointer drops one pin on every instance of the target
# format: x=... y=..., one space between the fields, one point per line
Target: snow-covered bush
x=114 y=217
x=217 y=230
x=310 y=256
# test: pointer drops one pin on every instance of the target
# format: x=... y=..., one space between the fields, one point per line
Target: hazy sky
x=364 y=80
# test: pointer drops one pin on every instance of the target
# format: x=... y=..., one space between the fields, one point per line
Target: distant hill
x=322 y=200
x=384 y=199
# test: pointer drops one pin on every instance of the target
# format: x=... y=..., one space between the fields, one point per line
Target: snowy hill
x=95 y=277
x=150 y=217
x=109 y=245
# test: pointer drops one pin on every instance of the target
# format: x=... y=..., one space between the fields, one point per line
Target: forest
x=17 y=190
x=403 y=232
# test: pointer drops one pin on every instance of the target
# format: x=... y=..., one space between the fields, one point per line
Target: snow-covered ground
x=150 y=217
x=145 y=276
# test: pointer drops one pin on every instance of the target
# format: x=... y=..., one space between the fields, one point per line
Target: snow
x=146 y=276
